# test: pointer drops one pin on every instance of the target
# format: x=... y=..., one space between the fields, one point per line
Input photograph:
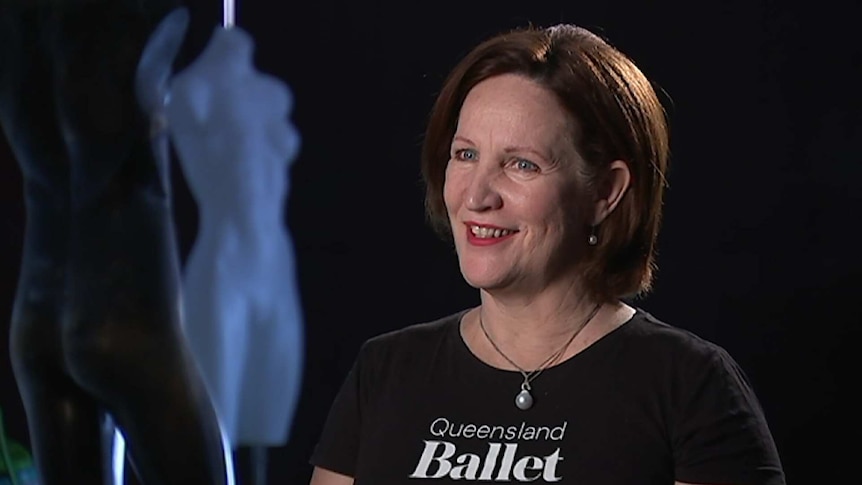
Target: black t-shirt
x=646 y=404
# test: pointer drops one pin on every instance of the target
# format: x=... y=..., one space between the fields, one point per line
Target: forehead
x=513 y=106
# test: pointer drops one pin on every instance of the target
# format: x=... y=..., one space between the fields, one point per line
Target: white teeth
x=487 y=232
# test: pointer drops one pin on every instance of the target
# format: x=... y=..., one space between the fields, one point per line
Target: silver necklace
x=524 y=400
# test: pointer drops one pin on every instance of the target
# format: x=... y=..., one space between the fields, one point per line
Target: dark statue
x=96 y=336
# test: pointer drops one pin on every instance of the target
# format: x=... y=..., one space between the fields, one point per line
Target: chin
x=484 y=273
x=479 y=285
x=481 y=280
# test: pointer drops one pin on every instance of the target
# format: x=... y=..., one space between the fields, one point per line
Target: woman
x=545 y=160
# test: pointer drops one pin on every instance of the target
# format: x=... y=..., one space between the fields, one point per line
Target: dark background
x=760 y=246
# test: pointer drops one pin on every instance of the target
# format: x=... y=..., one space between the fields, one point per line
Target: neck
x=528 y=331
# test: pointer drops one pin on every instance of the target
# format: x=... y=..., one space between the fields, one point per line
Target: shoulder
x=660 y=352
x=414 y=340
x=713 y=419
x=417 y=331
x=657 y=337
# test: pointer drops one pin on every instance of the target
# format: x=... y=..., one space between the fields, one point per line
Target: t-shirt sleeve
x=720 y=434
x=338 y=446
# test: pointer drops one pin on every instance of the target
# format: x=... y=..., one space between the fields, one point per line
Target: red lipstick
x=486 y=241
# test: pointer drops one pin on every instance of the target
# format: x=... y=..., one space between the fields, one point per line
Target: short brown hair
x=619 y=117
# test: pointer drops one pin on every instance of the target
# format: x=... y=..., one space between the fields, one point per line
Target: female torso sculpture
x=242 y=305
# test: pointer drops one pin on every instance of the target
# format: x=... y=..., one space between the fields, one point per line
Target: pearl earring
x=593 y=239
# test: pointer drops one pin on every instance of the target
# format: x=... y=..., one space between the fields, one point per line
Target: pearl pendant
x=524 y=400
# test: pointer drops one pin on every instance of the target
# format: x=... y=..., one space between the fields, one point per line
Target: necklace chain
x=530 y=376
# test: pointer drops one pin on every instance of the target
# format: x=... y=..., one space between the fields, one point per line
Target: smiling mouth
x=489 y=232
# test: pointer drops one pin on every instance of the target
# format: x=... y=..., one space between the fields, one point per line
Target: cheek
x=558 y=215
x=540 y=206
x=451 y=192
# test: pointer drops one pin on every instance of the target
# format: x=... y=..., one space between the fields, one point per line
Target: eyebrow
x=462 y=139
x=528 y=150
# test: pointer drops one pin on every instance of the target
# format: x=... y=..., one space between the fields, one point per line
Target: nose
x=482 y=193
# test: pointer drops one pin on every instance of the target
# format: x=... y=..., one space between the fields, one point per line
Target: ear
x=611 y=189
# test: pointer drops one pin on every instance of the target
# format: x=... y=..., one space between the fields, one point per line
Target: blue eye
x=466 y=154
x=526 y=165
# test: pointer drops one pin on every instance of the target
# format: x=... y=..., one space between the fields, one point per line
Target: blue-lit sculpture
x=242 y=312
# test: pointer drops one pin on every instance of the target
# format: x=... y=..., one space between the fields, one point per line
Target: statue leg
x=63 y=420
x=216 y=322
x=64 y=424
x=122 y=338
x=273 y=378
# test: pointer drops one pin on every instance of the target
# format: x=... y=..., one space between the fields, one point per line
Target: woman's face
x=512 y=188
